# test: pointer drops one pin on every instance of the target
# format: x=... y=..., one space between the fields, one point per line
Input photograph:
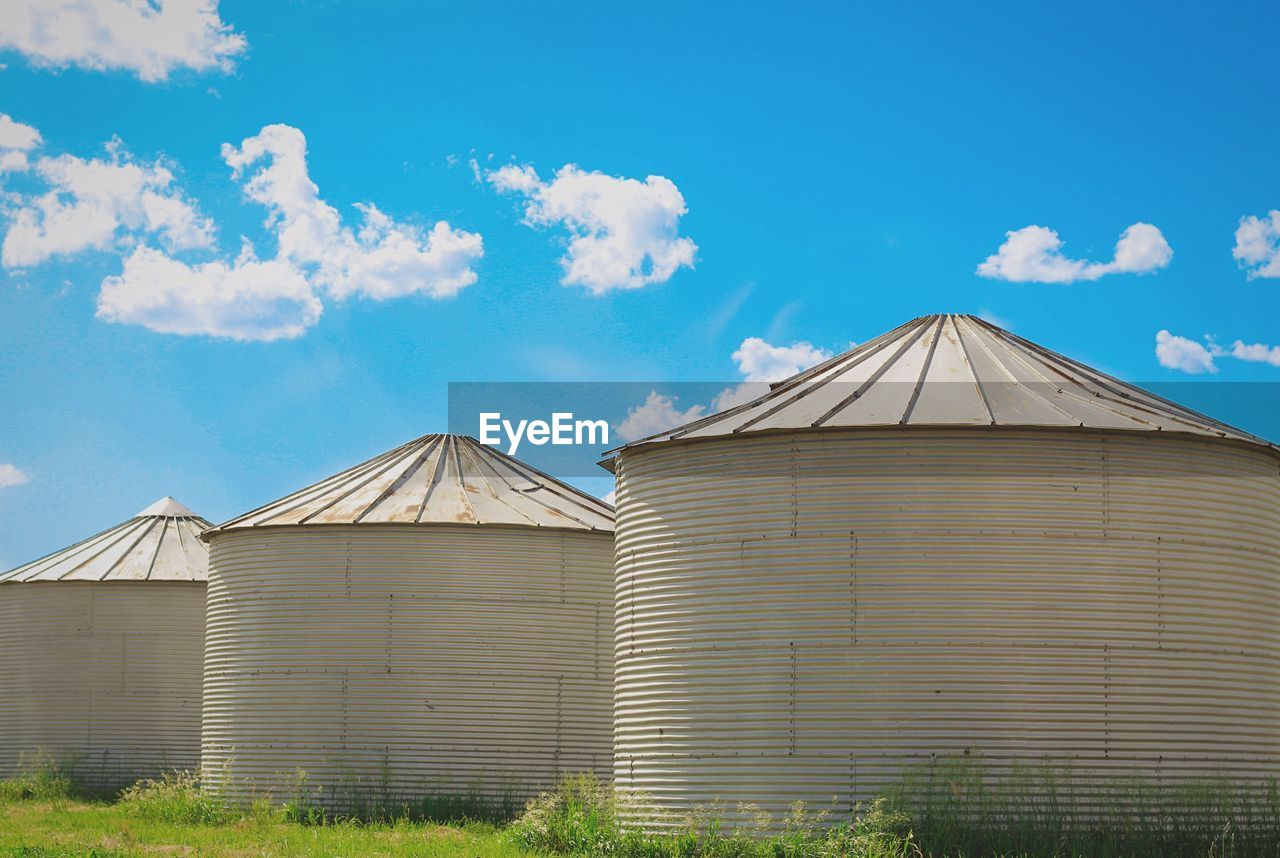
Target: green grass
x=73 y=827
x=352 y=799
x=951 y=808
x=43 y=815
x=584 y=817
x=960 y=807
x=955 y=807
x=40 y=776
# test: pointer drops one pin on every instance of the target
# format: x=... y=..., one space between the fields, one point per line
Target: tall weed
x=41 y=777
x=584 y=816
x=175 y=798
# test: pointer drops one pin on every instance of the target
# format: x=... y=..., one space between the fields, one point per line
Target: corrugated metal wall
x=103 y=674
x=395 y=661
x=799 y=615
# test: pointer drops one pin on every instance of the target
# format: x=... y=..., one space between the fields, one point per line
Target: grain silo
x=947 y=541
x=435 y=620
x=101 y=646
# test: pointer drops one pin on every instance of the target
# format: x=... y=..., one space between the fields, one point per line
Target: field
x=42 y=815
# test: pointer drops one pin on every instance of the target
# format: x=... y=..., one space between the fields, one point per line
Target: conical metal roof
x=161 y=543
x=953 y=370
x=435 y=479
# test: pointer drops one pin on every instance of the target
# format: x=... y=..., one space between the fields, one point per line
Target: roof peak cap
x=166 y=507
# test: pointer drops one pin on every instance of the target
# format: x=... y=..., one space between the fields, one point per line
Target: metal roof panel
x=953 y=370
x=435 y=479
x=158 y=544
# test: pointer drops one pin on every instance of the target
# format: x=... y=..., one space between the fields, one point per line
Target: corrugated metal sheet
x=391 y=662
x=445 y=479
x=954 y=370
x=800 y=614
x=161 y=543
x=102 y=675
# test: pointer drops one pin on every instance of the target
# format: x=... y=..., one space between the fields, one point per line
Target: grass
x=583 y=816
x=951 y=808
x=310 y=804
x=959 y=807
x=44 y=815
x=75 y=827
x=40 y=776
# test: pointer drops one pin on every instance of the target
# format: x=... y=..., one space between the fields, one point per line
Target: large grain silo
x=438 y=619
x=948 y=541
x=101 y=648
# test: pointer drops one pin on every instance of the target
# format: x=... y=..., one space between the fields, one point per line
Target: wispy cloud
x=998 y=321
x=11 y=475
x=623 y=233
x=149 y=38
x=1033 y=254
x=720 y=318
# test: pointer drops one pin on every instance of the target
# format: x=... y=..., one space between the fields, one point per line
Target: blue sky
x=842 y=168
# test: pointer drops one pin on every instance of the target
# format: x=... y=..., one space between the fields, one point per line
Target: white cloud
x=739 y=394
x=11 y=475
x=16 y=140
x=119 y=204
x=611 y=497
x=100 y=203
x=623 y=233
x=1258 y=245
x=758 y=360
x=15 y=135
x=1183 y=354
x=245 y=300
x=150 y=38
x=1141 y=249
x=761 y=364
x=12 y=161
x=522 y=179
x=658 y=414
x=1033 y=255
x=382 y=259
x=1190 y=356
x=1256 y=353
